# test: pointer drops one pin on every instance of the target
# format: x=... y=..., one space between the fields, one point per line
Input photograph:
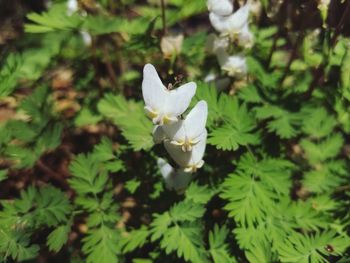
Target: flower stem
x=162 y=4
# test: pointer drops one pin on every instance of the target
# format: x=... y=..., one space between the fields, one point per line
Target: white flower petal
x=179 y=99
x=196 y=120
x=153 y=90
x=186 y=132
x=222 y=56
x=214 y=43
x=72 y=6
x=163 y=106
x=220 y=7
x=235 y=66
x=87 y=39
x=165 y=169
x=190 y=160
x=246 y=38
x=232 y=24
x=158 y=134
x=176 y=180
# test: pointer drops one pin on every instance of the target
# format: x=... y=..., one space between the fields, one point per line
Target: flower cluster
x=183 y=138
x=233 y=27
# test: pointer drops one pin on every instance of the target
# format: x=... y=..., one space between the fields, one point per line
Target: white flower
x=232 y=24
x=72 y=6
x=234 y=65
x=190 y=161
x=171 y=45
x=214 y=43
x=87 y=39
x=245 y=37
x=174 y=180
x=187 y=133
x=164 y=106
x=158 y=134
x=220 y=7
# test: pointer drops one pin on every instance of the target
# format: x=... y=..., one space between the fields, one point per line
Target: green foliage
x=181 y=224
x=314 y=248
x=91 y=182
x=254 y=188
x=326 y=149
x=218 y=247
x=130 y=118
x=135 y=239
x=9 y=74
x=284 y=123
x=79 y=179
x=58 y=237
x=36 y=208
x=55 y=19
x=318 y=123
x=235 y=125
x=17 y=246
x=37 y=135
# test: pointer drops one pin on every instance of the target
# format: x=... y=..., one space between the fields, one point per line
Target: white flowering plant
x=175 y=131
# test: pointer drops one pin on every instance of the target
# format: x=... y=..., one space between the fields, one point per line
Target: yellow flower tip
x=152 y=114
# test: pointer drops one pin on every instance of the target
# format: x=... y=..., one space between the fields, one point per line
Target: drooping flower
x=190 y=161
x=72 y=6
x=234 y=65
x=164 y=106
x=171 y=45
x=230 y=25
x=245 y=37
x=214 y=43
x=158 y=134
x=87 y=39
x=220 y=7
x=176 y=180
x=187 y=133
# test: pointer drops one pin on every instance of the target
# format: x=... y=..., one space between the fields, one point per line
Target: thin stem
x=340 y=24
x=318 y=75
x=162 y=4
x=50 y=173
x=109 y=67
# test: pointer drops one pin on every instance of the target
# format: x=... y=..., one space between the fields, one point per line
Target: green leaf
x=23 y=157
x=260 y=252
x=284 y=123
x=130 y=117
x=326 y=177
x=237 y=128
x=318 y=123
x=88 y=177
x=86 y=117
x=3 y=175
x=16 y=244
x=56 y=18
x=51 y=207
x=101 y=245
x=250 y=94
x=9 y=74
x=312 y=248
x=58 y=237
x=249 y=200
x=327 y=149
x=186 y=211
x=188 y=243
x=218 y=249
x=132 y=185
x=134 y=239
x=255 y=186
x=198 y=194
